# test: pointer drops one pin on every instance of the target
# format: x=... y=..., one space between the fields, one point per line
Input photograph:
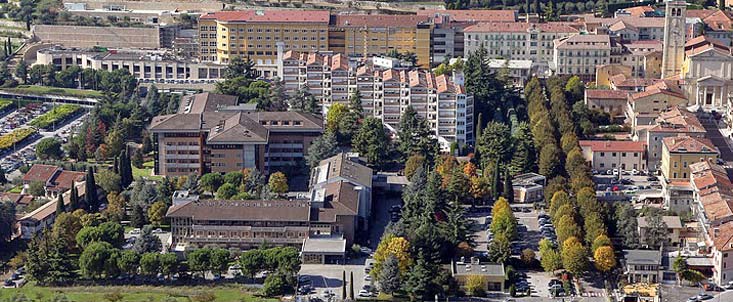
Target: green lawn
x=16 y=189
x=33 y=89
x=224 y=293
x=146 y=171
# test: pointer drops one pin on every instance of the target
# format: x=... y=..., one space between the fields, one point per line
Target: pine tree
x=3 y=178
x=116 y=165
x=60 y=205
x=495 y=190
x=389 y=276
x=355 y=104
x=138 y=216
x=91 y=199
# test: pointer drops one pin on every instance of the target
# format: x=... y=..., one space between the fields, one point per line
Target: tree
x=415 y=136
x=219 y=261
x=594 y=227
x=128 y=262
x=115 y=210
x=48 y=261
x=626 y=225
x=234 y=177
x=150 y=264
x=91 y=199
x=252 y=262
x=459 y=185
x=199 y=260
x=503 y=221
x=147 y=242
x=656 y=230
x=389 y=277
x=21 y=71
x=74 y=199
x=278 y=183
x=495 y=143
x=37 y=188
x=508 y=191
x=49 y=148
x=211 y=181
x=156 y=212
x=604 y=259
x=109 y=181
x=274 y=285
x=226 y=191
x=419 y=281
x=60 y=207
x=575 y=89
x=65 y=228
x=413 y=163
x=528 y=257
x=550 y=165
x=397 y=247
x=335 y=113
x=574 y=257
x=500 y=248
x=351 y=286
x=98 y=259
x=3 y=177
x=321 y=148
x=138 y=216
x=600 y=241
x=168 y=264
x=567 y=228
x=475 y=285
x=372 y=141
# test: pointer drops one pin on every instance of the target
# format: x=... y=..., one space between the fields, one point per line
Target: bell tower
x=674 y=37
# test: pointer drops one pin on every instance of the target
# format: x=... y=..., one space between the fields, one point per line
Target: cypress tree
x=60 y=205
x=116 y=165
x=90 y=198
x=351 y=287
x=125 y=169
x=495 y=190
x=343 y=286
x=74 y=199
x=508 y=187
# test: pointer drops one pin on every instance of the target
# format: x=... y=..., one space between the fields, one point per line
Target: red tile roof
x=378 y=20
x=677 y=120
x=606 y=94
x=723 y=237
x=613 y=146
x=712 y=184
x=478 y=15
x=271 y=16
x=39 y=172
x=639 y=11
x=689 y=144
x=64 y=180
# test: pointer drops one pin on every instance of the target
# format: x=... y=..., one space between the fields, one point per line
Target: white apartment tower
x=674 y=38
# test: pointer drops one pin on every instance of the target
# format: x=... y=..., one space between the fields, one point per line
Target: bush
x=57 y=114
x=18 y=135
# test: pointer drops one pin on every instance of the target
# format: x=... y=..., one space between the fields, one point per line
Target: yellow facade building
x=256 y=34
x=374 y=35
x=679 y=152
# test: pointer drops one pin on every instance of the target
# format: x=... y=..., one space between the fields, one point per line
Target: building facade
x=612 y=155
x=679 y=152
x=385 y=94
x=214 y=138
x=580 y=54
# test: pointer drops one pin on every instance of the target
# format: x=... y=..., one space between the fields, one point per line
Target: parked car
x=704 y=296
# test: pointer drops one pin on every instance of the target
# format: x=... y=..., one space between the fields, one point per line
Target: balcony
x=182 y=147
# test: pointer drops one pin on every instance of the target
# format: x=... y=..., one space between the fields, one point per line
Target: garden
x=18 y=135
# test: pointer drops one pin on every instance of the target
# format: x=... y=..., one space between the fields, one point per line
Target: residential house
x=55 y=179
x=341 y=173
x=642 y=266
x=643 y=107
x=673 y=229
x=679 y=152
x=606 y=100
x=609 y=155
x=35 y=222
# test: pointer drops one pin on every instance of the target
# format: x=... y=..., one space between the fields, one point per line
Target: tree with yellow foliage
x=470 y=169
x=476 y=285
x=604 y=258
x=395 y=246
x=479 y=187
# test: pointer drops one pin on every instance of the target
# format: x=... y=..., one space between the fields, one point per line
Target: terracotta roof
x=46 y=210
x=557 y=27
x=620 y=80
x=207 y=101
x=444 y=84
x=606 y=94
x=639 y=11
x=689 y=144
x=714 y=188
x=64 y=180
x=253 y=210
x=723 y=237
x=478 y=15
x=378 y=20
x=613 y=146
x=714 y=19
x=652 y=90
x=270 y=16
x=41 y=173
x=677 y=120
x=236 y=128
x=703 y=43
x=276 y=121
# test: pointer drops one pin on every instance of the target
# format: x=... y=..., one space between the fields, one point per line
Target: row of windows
x=623 y=154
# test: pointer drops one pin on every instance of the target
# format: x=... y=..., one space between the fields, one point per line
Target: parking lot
x=326 y=279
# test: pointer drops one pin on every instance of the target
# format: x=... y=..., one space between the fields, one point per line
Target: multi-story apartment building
x=644 y=57
x=385 y=94
x=255 y=34
x=518 y=40
x=670 y=123
x=644 y=107
x=373 y=35
x=216 y=139
x=713 y=208
x=679 y=152
x=643 y=266
x=610 y=155
x=580 y=54
x=447 y=37
x=155 y=66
